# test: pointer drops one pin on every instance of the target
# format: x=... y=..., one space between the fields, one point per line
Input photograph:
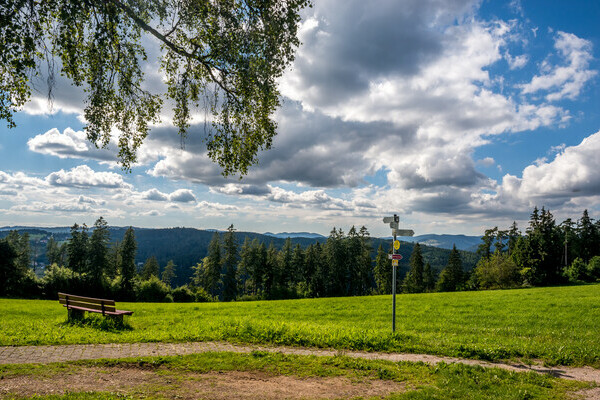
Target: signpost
x=393 y=221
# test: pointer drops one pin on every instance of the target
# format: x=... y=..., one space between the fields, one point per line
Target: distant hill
x=285 y=235
x=188 y=246
x=462 y=242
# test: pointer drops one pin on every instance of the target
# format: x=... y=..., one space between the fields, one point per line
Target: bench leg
x=75 y=315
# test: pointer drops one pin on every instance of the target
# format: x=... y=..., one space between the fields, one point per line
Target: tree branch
x=176 y=49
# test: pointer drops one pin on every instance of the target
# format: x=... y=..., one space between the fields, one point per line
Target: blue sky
x=459 y=115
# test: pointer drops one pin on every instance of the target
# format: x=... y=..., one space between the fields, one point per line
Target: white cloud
x=568 y=80
x=84 y=177
x=155 y=195
x=486 y=162
x=70 y=144
x=572 y=173
x=516 y=62
x=183 y=196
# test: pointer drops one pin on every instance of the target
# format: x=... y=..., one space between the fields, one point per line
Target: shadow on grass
x=100 y=323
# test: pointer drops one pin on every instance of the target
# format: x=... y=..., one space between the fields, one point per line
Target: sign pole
x=394 y=287
x=393 y=221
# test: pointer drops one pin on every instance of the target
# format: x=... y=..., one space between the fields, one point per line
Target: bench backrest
x=86 y=302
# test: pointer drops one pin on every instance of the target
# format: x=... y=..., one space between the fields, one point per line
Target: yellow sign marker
x=394 y=263
x=396 y=244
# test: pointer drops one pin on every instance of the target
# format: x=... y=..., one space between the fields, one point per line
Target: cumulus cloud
x=84 y=177
x=572 y=173
x=155 y=195
x=564 y=81
x=183 y=196
x=70 y=144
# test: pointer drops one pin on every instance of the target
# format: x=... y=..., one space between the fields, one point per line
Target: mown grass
x=421 y=381
x=558 y=325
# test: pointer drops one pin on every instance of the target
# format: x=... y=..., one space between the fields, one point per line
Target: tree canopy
x=222 y=56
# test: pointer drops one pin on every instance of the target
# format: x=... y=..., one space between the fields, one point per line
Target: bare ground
x=211 y=386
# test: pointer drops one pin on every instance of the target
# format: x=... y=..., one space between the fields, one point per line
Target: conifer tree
x=230 y=263
x=270 y=272
x=127 y=268
x=413 y=282
x=98 y=252
x=77 y=248
x=151 y=268
x=212 y=266
x=365 y=263
x=383 y=272
x=513 y=236
x=428 y=278
x=169 y=273
x=297 y=271
x=283 y=274
x=451 y=277
x=10 y=275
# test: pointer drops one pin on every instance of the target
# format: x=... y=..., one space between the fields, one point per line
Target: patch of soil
x=211 y=386
x=590 y=394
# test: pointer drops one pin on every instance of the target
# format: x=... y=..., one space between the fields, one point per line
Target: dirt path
x=48 y=354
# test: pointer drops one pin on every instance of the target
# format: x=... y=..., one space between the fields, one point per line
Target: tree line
x=89 y=264
x=545 y=254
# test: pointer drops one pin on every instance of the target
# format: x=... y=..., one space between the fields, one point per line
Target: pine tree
x=212 y=267
x=270 y=271
x=484 y=249
x=311 y=259
x=230 y=263
x=169 y=273
x=383 y=272
x=587 y=237
x=428 y=278
x=10 y=275
x=114 y=260
x=513 y=236
x=127 y=268
x=413 y=282
x=451 y=277
x=151 y=268
x=297 y=267
x=77 y=248
x=336 y=256
x=365 y=263
x=284 y=273
x=98 y=252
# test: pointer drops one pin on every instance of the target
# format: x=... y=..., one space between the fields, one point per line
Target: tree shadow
x=105 y=324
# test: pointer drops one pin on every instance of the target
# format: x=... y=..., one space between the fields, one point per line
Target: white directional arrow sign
x=403 y=232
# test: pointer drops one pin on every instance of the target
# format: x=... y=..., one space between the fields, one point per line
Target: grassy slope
x=558 y=325
x=422 y=381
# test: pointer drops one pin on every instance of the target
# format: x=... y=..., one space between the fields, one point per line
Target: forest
x=101 y=261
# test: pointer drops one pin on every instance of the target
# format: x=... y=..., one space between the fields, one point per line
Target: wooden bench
x=78 y=305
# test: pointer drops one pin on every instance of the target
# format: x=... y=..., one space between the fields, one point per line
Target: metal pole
x=394 y=287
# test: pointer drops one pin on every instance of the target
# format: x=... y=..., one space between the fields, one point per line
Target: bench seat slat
x=84 y=304
x=116 y=312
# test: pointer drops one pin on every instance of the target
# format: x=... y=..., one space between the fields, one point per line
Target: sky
x=458 y=115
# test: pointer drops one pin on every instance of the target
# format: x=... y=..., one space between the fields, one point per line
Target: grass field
x=176 y=377
x=556 y=325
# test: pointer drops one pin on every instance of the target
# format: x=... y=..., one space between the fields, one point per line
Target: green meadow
x=559 y=325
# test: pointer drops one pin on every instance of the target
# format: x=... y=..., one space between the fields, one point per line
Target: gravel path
x=48 y=354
